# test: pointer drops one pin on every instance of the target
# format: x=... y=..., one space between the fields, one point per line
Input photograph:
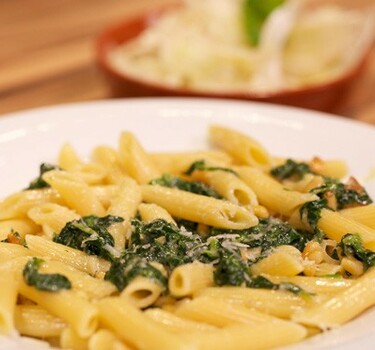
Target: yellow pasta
x=188 y=279
x=336 y=226
x=142 y=292
x=124 y=204
x=271 y=193
x=229 y=186
x=363 y=214
x=343 y=306
x=12 y=251
x=194 y=207
x=68 y=158
x=8 y=297
x=105 y=340
x=178 y=324
x=91 y=173
x=69 y=305
x=277 y=303
x=136 y=329
x=35 y=321
x=69 y=256
x=135 y=160
x=242 y=148
x=52 y=217
x=75 y=192
x=69 y=339
x=176 y=163
x=109 y=157
x=21 y=226
x=17 y=205
x=283 y=261
x=335 y=168
x=81 y=281
x=263 y=336
x=220 y=313
x=151 y=211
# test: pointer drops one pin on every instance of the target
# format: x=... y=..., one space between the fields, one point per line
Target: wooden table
x=47 y=54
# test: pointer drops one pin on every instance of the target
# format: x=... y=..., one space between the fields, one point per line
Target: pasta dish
x=229 y=248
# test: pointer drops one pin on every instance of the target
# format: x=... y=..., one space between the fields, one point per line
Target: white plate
x=31 y=137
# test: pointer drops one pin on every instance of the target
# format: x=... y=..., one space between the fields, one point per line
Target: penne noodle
x=66 y=304
x=35 y=321
x=177 y=163
x=8 y=298
x=271 y=193
x=242 y=148
x=343 y=307
x=202 y=209
x=135 y=160
x=90 y=264
x=136 y=329
x=142 y=292
x=188 y=279
x=365 y=215
x=76 y=193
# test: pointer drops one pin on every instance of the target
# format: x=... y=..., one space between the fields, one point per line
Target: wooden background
x=47 y=54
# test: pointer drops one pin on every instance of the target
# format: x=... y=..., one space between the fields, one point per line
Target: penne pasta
x=194 y=207
x=35 y=321
x=242 y=148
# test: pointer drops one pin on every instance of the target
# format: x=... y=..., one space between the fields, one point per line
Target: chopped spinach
x=255 y=12
x=163 y=242
x=90 y=234
x=351 y=245
x=268 y=233
x=201 y=165
x=231 y=270
x=172 y=246
x=39 y=182
x=46 y=282
x=312 y=211
x=190 y=186
x=346 y=196
x=290 y=169
x=130 y=266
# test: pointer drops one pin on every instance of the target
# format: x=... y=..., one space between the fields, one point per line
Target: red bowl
x=323 y=97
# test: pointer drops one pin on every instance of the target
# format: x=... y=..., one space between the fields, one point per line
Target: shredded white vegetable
x=203 y=46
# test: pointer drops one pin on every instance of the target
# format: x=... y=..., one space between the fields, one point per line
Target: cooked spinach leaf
x=190 y=186
x=291 y=170
x=163 y=242
x=90 y=234
x=130 y=266
x=269 y=233
x=201 y=165
x=39 y=182
x=312 y=212
x=231 y=270
x=352 y=245
x=46 y=282
x=346 y=194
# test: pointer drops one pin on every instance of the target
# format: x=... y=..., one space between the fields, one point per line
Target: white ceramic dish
x=31 y=137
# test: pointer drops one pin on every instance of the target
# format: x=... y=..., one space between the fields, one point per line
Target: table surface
x=47 y=54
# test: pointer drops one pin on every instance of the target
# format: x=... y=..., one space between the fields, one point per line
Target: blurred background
x=47 y=54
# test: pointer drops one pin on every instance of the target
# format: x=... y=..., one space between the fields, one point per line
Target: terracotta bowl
x=324 y=97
